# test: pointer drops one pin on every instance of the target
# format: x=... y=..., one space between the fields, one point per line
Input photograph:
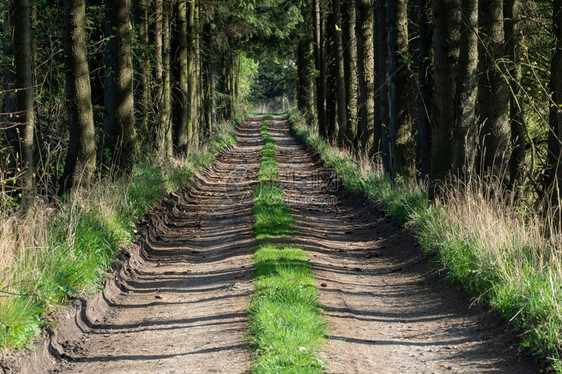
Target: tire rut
x=183 y=307
x=387 y=311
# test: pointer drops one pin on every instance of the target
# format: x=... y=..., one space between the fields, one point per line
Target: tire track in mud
x=387 y=312
x=183 y=307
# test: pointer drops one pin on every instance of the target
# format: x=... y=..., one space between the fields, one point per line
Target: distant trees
x=441 y=89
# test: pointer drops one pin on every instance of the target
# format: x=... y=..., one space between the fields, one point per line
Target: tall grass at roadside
x=480 y=238
x=286 y=325
x=51 y=253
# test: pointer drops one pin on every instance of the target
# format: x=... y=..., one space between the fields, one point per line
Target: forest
x=430 y=89
x=106 y=106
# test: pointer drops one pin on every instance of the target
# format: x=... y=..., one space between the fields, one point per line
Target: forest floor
x=183 y=306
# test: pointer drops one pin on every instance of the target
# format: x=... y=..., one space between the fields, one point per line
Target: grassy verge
x=49 y=254
x=482 y=241
x=286 y=324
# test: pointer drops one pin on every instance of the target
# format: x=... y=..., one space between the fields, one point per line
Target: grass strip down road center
x=286 y=323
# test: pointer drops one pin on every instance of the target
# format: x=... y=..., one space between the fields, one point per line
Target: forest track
x=387 y=312
x=183 y=309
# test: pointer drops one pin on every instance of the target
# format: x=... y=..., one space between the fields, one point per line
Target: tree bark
x=512 y=16
x=340 y=73
x=425 y=103
x=120 y=120
x=143 y=75
x=382 y=129
x=166 y=108
x=24 y=87
x=181 y=102
x=207 y=76
x=162 y=94
x=446 y=42
x=464 y=130
x=492 y=88
x=366 y=73
x=332 y=74
x=402 y=155
x=320 y=66
x=350 y=71
x=192 y=75
x=81 y=156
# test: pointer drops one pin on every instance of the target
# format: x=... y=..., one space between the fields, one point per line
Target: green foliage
x=273 y=80
x=286 y=321
x=287 y=325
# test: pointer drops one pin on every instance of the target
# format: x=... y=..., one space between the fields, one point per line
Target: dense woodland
x=440 y=89
x=107 y=105
x=430 y=89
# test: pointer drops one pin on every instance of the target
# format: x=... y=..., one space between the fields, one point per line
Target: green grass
x=53 y=256
x=286 y=324
x=481 y=241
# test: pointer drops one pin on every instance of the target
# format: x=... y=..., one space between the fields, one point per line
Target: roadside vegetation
x=286 y=324
x=501 y=252
x=51 y=253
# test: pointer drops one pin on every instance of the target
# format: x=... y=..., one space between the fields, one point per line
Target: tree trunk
x=332 y=74
x=81 y=157
x=554 y=165
x=143 y=98
x=424 y=86
x=366 y=73
x=382 y=130
x=162 y=95
x=446 y=41
x=350 y=71
x=492 y=88
x=340 y=73
x=24 y=87
x=120 y=120
x=96 y=61
x=464 y=130
x=181 y=91
x=320 y=66
x=192 y=75
x=166 y=107
x=512 y=17
x=207 y=76
x=402 y=156
x=159 y=136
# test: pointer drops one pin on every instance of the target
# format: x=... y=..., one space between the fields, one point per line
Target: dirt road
x=184 y=308
x=386 y=312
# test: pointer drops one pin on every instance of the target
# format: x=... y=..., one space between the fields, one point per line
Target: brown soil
x=183 y=309
x=387 y=312
x=179 y=303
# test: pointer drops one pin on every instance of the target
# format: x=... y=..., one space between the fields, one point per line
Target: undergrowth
x=50 y=254
x=477 y=234
x=286 y=323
